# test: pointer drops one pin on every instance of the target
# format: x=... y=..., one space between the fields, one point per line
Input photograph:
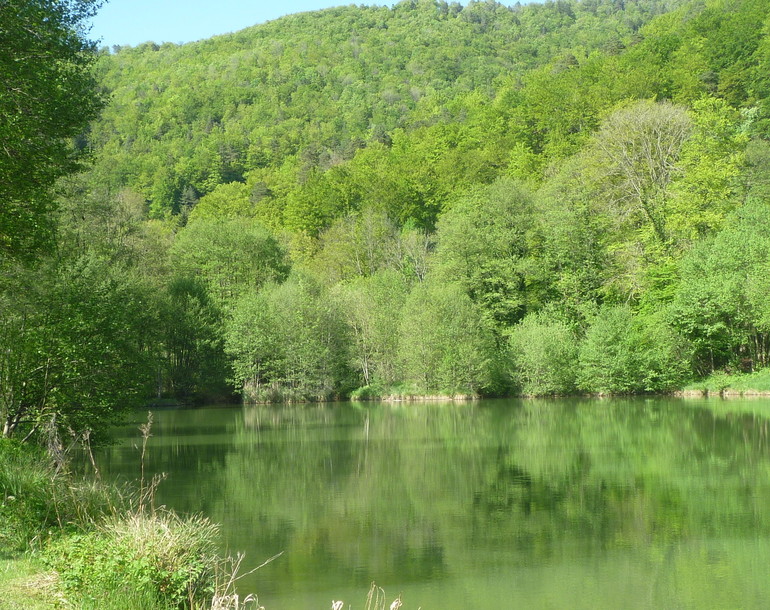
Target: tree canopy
x=48 y=96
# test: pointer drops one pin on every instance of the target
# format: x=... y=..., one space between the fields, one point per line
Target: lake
x=568 y=503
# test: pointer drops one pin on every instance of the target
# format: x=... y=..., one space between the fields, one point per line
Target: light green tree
x=371 y=308
x=357 y=245
x=229 y=200
x=232 y=256
x=712 y=163
x=444 y=345
x=287 y=342
x=639 y=148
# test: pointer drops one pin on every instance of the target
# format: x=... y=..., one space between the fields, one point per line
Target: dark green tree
x=76 y=346
x=48 y=94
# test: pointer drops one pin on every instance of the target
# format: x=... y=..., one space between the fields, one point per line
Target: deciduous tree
x=48 y=95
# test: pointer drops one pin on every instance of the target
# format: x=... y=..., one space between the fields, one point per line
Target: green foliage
x=609 y=354
x=308 y=91
x=48 y=97
x=372 y=309
x=357 y=245
x=544 y=353
x=547 y=161
x=225 y=201
x=639 y=148
x=748 y=384
x=574 y=256
x=25 y=483
x=623 y=354
x=708 y=185
x=76 y=340
x=157 y=557
x=190 y=342
x=106 y=555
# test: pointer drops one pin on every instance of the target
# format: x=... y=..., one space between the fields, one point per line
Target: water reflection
x=554 y=503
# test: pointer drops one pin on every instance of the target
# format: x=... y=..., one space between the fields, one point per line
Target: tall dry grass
x=375 y=600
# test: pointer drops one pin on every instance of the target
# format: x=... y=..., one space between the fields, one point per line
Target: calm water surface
x=648 y=503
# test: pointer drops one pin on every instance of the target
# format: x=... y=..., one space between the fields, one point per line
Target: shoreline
x=723 y=393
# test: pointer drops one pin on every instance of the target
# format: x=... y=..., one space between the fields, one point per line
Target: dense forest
x=428 y=198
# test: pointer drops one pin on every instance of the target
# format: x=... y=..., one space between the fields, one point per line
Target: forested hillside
x=275 y=107
x=437 y=199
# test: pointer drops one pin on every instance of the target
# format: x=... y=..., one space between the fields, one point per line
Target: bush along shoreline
x=549 y=382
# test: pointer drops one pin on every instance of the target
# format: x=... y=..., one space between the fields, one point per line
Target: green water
x=645 y=503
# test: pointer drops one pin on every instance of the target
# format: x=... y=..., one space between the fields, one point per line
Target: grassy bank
x=737 y=384
x=26 y=584
x=71 y=542
x=40 y=501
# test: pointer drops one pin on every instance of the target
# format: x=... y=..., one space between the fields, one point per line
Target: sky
x=132 y=22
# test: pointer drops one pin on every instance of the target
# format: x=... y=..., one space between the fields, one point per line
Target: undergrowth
x=161 y=558
x=107 y=548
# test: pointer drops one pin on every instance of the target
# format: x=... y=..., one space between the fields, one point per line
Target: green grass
x=26 y=585
x=37 y=502
x=73 y=543
x=157 y=558
x=757 y=382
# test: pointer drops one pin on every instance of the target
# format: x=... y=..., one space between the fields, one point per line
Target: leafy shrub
x=623 y=354
x=159 y=555
x=367 y=392
x=544 y=353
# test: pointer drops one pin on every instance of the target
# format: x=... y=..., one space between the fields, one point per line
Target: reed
x=375 y=600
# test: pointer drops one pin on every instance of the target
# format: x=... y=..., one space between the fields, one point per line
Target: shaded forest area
x=419 y=199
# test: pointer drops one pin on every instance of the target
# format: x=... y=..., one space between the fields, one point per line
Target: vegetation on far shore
x=320 y=206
